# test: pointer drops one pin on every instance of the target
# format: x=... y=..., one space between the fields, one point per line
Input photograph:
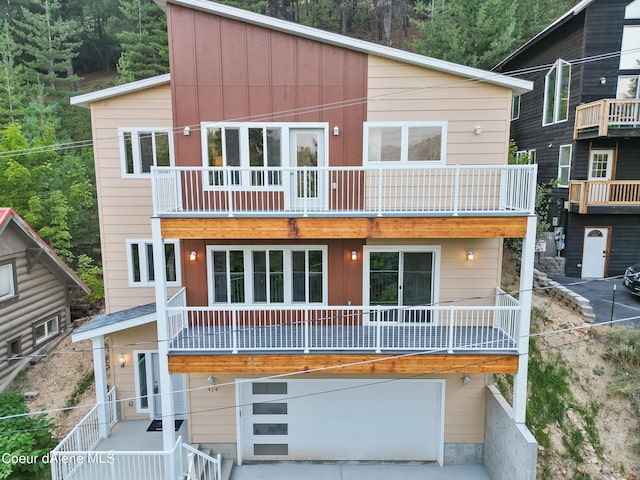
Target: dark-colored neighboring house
x=581 y=125
x=35 y=294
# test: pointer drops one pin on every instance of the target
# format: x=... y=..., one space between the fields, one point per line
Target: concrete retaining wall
x=510 y=451
x=563 y=295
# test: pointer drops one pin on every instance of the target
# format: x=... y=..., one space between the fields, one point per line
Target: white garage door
x=341 y=420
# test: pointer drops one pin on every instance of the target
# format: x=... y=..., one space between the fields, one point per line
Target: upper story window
x=629 y=51
x=140 y=149
x=628 y=87
x=141 y=262
x=405 y=143
x=515 y=107
x=556 y=93
x=564 y=165
x=267 y=275
x=7 y=282
x=632 y=10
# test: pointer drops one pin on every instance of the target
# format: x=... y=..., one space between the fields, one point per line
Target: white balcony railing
x=341 y=191
x=84 y=437
x=236 y=329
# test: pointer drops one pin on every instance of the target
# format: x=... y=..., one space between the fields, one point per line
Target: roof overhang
x=88 y=98
x=518 y=86
x=101 y=325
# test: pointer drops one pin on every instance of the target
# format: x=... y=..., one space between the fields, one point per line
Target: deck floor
x=360 y=338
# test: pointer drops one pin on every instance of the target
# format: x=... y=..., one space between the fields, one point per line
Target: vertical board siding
x=228 y=70
x=124 y=203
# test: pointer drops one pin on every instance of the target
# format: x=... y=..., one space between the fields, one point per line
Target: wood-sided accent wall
x=227 y=70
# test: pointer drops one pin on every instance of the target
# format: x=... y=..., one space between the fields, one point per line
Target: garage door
x=341 y=420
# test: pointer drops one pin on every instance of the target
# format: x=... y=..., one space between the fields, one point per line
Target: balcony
x=607 y=118
x=610 y=196
x=357 y=329
x=496 y=190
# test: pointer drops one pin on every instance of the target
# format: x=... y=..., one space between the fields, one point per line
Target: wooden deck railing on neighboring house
x=603 y=115
x=604 y=193
x=344 y=191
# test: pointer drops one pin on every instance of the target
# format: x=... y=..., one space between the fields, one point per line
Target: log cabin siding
x=40 y=296
x=226 y=70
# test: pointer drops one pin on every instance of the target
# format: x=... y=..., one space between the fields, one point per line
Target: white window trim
x=531 y=153
x=556 y=94
x=149 y=368
x=515 y=101
x=9 y=270
x=567 y=166
x=47 y=334
x=366 y=274
x=145 y=282
x=287 y=267
x=137 y=162
x=285 y=154
x=404 y=162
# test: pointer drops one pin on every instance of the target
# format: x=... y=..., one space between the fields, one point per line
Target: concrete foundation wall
x=510 y=451
x=462 y=453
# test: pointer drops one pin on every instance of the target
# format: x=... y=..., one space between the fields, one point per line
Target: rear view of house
x=302 y=238
x=35 y=294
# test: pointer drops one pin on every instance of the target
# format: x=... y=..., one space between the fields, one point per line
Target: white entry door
x=307 y=155
x=341 y=419
x=594 y=254
x=600 y=165
x=148 y=390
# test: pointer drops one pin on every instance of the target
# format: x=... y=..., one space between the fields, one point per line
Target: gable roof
x=568 y=15
x=51 y=260
x=519 y=86
x=107 y=323
x=86 y=99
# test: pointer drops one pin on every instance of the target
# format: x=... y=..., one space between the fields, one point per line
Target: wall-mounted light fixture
x=211 y=382
x=466 y=380
x=477 y=130
x=603 y=80
x=354 y=255
x=123 y=360
x=470 y=255
x=193 y=255
x=187 y=131
x=336 y=130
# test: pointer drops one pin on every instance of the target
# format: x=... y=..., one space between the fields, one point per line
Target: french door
x=308 y=181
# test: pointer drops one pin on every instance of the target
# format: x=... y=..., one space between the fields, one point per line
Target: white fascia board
x=115 y=327
x=86 y=99
x=518 y=86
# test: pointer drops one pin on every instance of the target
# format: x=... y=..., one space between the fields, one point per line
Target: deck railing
x=237 y=329
x=341 y=191
x=604 y=192
x=605 y=114
x=84 y=437
x=202 y=466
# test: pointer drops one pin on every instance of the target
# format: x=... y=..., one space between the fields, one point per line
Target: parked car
x=632 y=279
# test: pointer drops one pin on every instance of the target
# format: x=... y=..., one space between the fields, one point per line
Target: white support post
x=526 y=293
x=162 y=323
x=102 y=394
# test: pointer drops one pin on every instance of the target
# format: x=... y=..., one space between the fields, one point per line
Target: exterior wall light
x=186 y=132
x=193 y=255
x=466 y=380
x=477 y=130
x=336 y=131
x=123 y=360
x=470 y=255
x=354 y=255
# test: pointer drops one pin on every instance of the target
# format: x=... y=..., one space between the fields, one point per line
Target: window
x=524 y=157
x=629 y=53
x=14 y=349
x=405 y=143
x=140 y=149
x=267 y=275
x=47 y=329
x=257 y=151
x=515 y=107
x=556 y=93
x=628 y=87
x=632 y=10
x=7 y=282
x=141 y=267
x=564 y=165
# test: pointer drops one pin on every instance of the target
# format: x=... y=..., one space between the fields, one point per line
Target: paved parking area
x=607 y=303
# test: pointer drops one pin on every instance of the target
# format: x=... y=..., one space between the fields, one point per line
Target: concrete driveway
x=347 y=471
x=606 y=303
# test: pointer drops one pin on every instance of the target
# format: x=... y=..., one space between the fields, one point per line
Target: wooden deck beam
x=336 y=228
x=273 y=364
